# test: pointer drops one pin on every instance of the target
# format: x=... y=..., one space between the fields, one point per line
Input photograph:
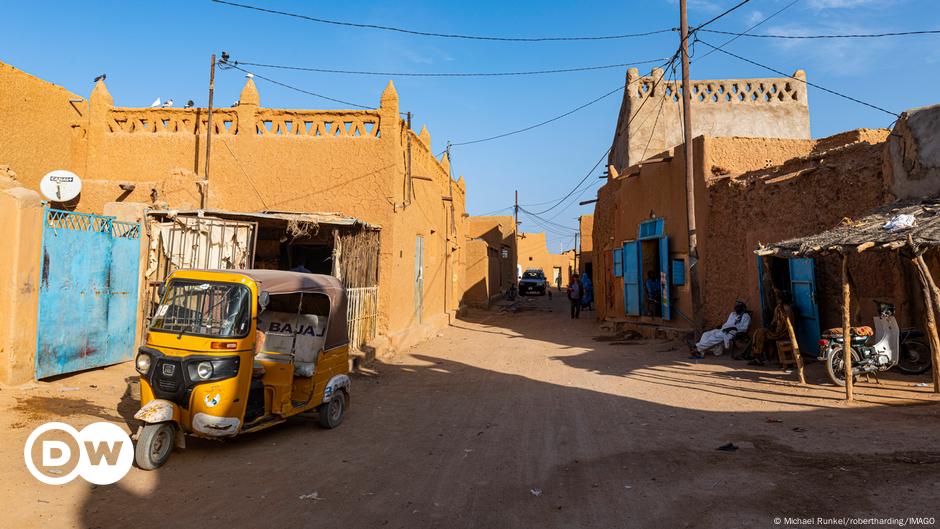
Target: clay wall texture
x=347 y=161
x=488 y=272
x=748 y=190
x=650 y=118
x=534 y=253
x=586 y=233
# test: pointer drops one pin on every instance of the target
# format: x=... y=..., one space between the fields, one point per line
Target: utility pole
x=204 y=202
x=697 y=315
x=516 y=210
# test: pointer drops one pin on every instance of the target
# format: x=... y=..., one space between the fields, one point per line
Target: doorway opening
x=649 y=274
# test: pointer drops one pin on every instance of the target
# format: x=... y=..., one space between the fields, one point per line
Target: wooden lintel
x=447 y=199
x=864 y=246
x=427 y=178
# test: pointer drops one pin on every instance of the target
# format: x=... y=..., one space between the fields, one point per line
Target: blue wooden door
x=631 y=278
x=664 y=277
x=803 y=289
x=79 y=324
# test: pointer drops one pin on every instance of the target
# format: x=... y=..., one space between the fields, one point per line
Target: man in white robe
x=738 y=321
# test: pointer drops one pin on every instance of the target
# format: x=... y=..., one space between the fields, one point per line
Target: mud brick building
x=364 y=164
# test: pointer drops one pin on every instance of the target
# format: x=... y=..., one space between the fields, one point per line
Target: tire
x=914 y=358
x=332 y=413
x=835 y=365
x=154 y=445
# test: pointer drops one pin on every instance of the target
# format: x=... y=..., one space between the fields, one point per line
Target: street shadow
x=433 y=442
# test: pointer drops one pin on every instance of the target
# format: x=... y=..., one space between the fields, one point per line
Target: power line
x=748 y=30
x=832 y=36
x=291 y=87
x=814 y=85
x=548 y=221
x=716 y=17
x=447 y=74
x=635 y=114
x=546 y=122
x=443 y=35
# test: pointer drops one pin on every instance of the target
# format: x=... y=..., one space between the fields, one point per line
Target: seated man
x=738 y=321
x=765 y=336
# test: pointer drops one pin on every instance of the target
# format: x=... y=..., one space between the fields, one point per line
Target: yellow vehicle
x=231 y=352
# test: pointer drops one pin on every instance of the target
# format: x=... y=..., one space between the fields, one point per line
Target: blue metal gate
x=87 y=292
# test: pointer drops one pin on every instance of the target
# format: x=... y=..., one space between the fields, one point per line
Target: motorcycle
x=892 y=347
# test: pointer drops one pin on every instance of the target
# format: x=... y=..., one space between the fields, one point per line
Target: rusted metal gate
x=197 y=242
x=87 y=293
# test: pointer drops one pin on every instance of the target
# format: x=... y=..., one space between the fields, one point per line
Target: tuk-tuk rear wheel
x=331 y=413
x=154 y=445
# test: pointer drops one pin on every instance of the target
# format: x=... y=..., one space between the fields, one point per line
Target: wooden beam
x=864 y=246
x=847 y=328
x=797 y=356
x=426 y=178
x=931 y=301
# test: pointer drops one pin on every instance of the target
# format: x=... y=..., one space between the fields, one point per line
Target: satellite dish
x=60 y=185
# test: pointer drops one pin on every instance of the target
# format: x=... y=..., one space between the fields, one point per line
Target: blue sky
x=161 y=49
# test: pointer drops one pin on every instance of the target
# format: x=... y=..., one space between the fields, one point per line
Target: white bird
x=168 y=104
x=155 y=104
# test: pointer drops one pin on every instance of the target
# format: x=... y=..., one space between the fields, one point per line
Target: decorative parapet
x=267 y=122
x=170 y=120
x=319 y=124
x=780 y=90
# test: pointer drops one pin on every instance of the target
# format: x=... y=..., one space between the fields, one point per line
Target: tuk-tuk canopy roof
x=276 y=282
x=282 y=282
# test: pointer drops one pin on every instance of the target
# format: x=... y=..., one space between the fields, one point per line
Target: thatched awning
x=854 y=236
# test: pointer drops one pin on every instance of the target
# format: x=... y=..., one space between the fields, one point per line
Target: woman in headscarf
x=588 y=297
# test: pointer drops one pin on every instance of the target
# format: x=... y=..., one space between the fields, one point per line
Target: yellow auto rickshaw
x=236 y=351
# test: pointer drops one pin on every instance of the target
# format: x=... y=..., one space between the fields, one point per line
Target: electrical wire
x=447 y=74
x=748 y=30
x=716 y=17
x=548 y=221
x=546 y=122
x=814 y=85
x=588 y=175
x=443 y=35
x=833 y=36
x=294 y=88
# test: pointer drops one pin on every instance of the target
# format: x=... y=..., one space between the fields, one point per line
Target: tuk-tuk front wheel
x=154 y=445
x=331 y=413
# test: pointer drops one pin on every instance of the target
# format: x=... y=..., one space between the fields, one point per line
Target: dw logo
x=102 y=453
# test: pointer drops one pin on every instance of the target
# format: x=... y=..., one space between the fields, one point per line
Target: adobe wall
x=498 y=232
x=912 y=165
x=36 y=124
x=650 y=118
x=586 y=231
x=637 y=194
x=534 y=253
x=21 y=214
x=814 y=187
x=348 y=161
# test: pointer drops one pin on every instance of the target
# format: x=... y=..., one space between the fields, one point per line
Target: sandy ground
x=506 y=420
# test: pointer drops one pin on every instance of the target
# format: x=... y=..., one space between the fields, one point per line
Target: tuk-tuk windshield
x=204 y=308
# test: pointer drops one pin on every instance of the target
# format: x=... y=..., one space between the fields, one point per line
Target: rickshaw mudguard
x=157 y=411
x=337 y=383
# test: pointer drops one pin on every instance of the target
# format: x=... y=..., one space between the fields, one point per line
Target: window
x=618 y=262
x=504 y=253
x=678 y=272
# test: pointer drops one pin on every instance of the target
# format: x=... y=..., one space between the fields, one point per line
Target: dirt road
x=516 y=420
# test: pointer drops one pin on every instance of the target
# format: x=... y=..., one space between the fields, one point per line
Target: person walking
x=575 y=292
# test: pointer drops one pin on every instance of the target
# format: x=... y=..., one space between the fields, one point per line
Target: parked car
x=533 y=280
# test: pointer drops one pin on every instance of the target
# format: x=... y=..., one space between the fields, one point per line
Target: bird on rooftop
x=190 y=104
x=155 y=104
x=101 y=77
x=168 y=103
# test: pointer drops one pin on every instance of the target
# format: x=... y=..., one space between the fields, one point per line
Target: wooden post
x=847 y=328
x=204 y=199
x=931 y=295
x=697 y=315
x=797 y=356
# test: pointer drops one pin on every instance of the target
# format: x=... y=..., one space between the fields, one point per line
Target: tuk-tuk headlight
x=143 y=363
x=204 y=370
